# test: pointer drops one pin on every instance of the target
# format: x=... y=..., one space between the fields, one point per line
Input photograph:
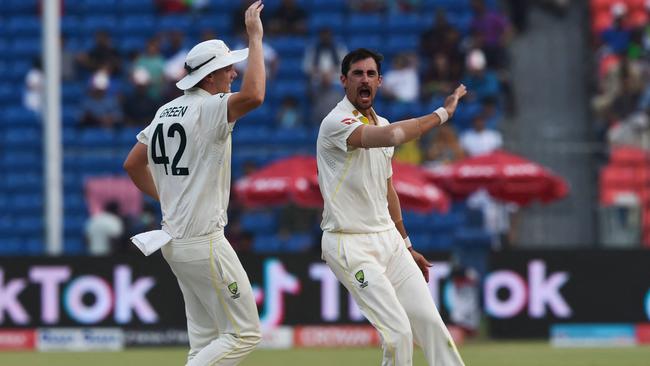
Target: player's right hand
x=253 y=20
x=451 y=102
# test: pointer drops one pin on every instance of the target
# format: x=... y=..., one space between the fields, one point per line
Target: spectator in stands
x=614 y=70
x=401 y=83
x=323 y=98
x=171 y=6
x=174 y=54
x=409 y=153
x=139 y=107
x=367 y=6
x=617 y=37
x=289 y=114
x=68 y=63
x=479 y=140
x=403 y=6
x=237 y=17
x=153 y=61
x=288 y=19
x=271 y=57
x=481 y=82
x=33 y=93
x=105 y=230
x=491 y=32
x=98 y=108
x=442 y=40
x=439 y=78
x=103 y=55
x=444 y=147
x=323 y=57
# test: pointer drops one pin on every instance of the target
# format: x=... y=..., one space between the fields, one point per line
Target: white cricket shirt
x=352 y=181
x=189 y=149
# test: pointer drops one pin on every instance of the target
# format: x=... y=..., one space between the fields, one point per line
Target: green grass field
x=477 y=354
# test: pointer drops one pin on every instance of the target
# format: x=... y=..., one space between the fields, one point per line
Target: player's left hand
x=422 y=262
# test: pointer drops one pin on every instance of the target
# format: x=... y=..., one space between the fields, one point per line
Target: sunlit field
x=478 y=354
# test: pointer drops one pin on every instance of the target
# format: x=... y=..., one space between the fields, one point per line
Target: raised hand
x=253 y=20
x=451 y=102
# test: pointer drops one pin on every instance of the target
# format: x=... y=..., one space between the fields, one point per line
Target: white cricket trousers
x=222 y=321
x=392 y=294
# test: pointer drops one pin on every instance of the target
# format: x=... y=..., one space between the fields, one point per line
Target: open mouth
x=364 y=93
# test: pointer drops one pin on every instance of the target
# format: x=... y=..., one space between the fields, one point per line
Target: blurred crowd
x=621 y=104
x=124 y=86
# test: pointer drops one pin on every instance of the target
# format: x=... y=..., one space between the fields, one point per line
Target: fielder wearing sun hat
x=207 y=57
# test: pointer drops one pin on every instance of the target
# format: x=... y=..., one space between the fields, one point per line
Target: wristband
x=442 y=114
x=407 y=241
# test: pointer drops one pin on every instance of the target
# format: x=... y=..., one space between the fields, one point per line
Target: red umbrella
x=506 y=176
x=295 y=179
x=415 y=192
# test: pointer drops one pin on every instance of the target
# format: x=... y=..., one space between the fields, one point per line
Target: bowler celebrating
x=364 y=240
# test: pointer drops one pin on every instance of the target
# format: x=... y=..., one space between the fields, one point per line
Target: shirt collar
x=197 y=91
x=348 y=107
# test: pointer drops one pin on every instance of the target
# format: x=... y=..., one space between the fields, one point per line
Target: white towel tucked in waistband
x=151 y=241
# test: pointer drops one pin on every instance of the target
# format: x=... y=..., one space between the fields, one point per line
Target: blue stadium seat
x=172 y=22
x=99 y=6
x=28 y=224
x=94 y=23
x=20 y=159
x=401 y=43
x=373 y=42
x=466 y=237
x=266 y=244
x=137 y=25
x=17 y=70
x=405 y=23
x=358 y=23
x=74 y=246
x=75 y=224
x=25 y=7
x=259 y=222
x=72 y=92
x=11 y=246
x=34 y=246
x=289 y=46
x=130 y=44
x=24 y=26
x=22 y=138
x=290 y=69
x=284 y=88
x=219 y=23
x=27 y=203
x=298 y=242
x=291 y=137
x=24 y=181
x=246 y=135
x=74 y=205
x=20 y=117
x=70 y=25
x=97 y=137
x=333 y=21
x=136 y=7
x=320 y=6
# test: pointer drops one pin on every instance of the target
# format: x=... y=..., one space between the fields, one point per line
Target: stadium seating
x=92 y=152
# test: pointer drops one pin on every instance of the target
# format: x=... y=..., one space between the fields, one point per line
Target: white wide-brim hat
x=207 y=57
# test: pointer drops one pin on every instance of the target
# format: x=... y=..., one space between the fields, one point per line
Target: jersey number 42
x=158 y=145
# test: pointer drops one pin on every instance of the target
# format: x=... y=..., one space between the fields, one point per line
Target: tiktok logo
x=647 y=304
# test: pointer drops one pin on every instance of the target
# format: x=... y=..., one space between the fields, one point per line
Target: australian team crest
x=361 y=278
x=234 y=290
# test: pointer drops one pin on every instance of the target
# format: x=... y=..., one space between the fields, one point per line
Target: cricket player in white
x=183 y=159
x=364 y=240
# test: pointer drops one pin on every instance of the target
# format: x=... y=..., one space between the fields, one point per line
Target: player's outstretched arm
x=253 y=86
x=136 y=166
x=400 y=132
